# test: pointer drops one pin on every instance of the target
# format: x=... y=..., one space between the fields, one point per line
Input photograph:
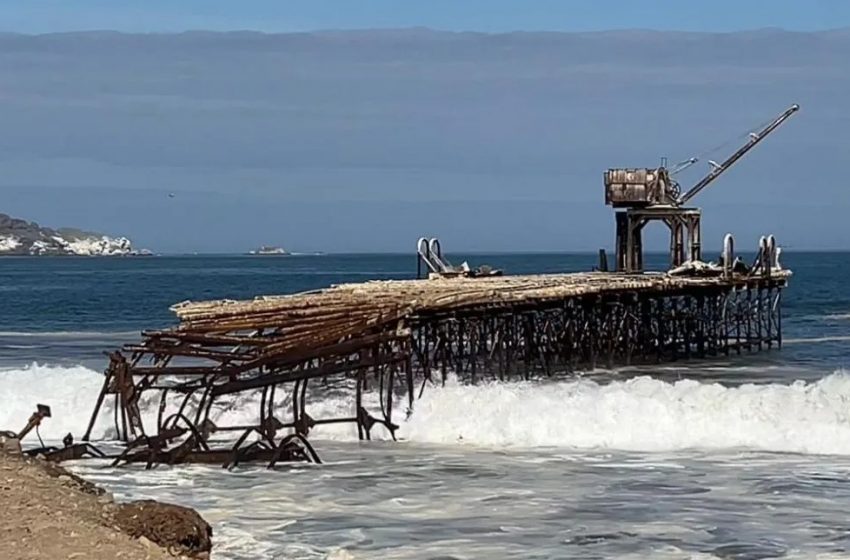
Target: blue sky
x=366 y=140
x=42 y=16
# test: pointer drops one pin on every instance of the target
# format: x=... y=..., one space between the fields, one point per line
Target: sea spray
x=70 y=392
x=641 y=413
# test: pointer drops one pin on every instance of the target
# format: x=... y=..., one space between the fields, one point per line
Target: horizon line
x=435 y=30
x=593 y=252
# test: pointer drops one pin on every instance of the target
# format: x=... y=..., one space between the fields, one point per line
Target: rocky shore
x=20 y=237
x=49 y=513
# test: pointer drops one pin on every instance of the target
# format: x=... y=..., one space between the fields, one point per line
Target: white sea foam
x=70 y=392
x=68 y=334
x=670 y=552
x=837 y=317
x=638 y=414
x=813 y=340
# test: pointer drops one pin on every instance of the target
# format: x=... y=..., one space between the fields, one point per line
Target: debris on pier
x=430 y=253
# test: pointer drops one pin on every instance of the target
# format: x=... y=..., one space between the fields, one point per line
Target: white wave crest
x=837 y=317
x=640 y=414
x=66 y=334
x=813 y=340
x=70 y=392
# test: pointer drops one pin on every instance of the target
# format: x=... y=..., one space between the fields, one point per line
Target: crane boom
x=755 y=138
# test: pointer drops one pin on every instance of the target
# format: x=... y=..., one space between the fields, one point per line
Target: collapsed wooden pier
x=388 y=339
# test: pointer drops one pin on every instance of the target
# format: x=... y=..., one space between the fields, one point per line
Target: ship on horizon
x=267 y=250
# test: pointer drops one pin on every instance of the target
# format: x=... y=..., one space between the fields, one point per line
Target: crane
x=642 y=188
x=753 y=139
x=652 y=194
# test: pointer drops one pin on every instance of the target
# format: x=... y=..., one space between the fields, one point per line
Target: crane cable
x=733 y=140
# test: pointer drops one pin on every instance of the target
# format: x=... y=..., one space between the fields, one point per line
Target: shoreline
x=49 y=512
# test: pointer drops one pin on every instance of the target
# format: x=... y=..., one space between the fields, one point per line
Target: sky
x=43 y=16
x=360 y=141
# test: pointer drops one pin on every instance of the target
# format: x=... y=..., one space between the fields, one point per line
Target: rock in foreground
x=48 y=513
x=178 y=529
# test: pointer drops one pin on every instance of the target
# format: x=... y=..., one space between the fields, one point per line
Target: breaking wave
x=642 y=414
x=99 y=335
x=70 y=392
x=813 y=340
x=837 y=317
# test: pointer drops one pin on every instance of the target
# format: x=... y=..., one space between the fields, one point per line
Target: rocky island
x=20 y=237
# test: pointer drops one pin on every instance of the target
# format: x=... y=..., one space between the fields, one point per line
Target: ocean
x=742 y=458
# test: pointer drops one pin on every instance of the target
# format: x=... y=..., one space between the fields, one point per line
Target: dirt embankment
x=48 y=513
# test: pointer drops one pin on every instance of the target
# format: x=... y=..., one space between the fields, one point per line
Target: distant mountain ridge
x=20 y=237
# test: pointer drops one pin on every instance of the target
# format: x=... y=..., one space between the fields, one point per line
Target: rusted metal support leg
x=777 y=316
x=107 y=379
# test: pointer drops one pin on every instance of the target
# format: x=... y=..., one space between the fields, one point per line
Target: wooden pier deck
x=315 y=318
x=430 y=295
